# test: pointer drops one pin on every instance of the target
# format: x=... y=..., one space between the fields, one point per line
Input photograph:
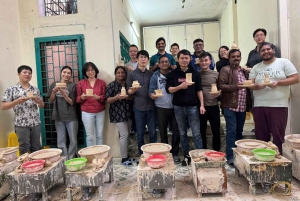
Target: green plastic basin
x=75 y=164
x=265 y=155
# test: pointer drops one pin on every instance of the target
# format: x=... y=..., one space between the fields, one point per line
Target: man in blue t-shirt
x=161 y=46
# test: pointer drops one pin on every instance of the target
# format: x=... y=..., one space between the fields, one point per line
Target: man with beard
x=271 y=101
x=235 y=100
x=161 y=46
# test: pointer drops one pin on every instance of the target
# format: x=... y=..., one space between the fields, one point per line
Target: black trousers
x=165 y=115
x=212 y=114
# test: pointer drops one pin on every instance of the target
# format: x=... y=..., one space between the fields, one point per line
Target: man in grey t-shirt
x=271 y=99
x=132 y=64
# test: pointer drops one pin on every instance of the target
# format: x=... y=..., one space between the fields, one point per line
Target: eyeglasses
x=198 y=45
x=91 y=70
x=259 y=35
x=164 y=62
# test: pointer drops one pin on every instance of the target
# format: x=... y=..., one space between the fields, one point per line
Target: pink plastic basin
x=156 y=161
x=33 y=166
x=215 y=155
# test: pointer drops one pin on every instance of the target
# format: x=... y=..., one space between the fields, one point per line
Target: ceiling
x=167 y=12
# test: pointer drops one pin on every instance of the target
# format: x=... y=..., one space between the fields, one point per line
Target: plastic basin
x=215 y=156
x=75 y=164
x=33 y=166
x=265 y=155
x=156 y=161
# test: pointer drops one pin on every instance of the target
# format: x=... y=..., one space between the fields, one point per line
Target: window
x=57 y=7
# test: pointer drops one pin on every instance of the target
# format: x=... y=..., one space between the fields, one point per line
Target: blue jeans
x=143 y=118
x=72 y=128
x=234 y=130
x=190 y=113
x=90 y=122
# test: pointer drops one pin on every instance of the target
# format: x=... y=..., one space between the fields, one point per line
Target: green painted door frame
x=42 y=44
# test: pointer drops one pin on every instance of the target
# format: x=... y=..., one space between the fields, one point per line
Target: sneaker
x=176 y=159
x=188 y=158
x=230 y=162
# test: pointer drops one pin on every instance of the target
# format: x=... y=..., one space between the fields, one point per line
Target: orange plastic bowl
x=215 y=155
x=156 y=161
x=33 y=166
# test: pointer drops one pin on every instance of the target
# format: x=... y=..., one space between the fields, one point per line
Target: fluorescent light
x=134 y=29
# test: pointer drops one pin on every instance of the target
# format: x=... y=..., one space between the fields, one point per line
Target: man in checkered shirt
x=236 y=100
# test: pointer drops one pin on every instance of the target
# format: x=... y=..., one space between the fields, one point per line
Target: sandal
x=127 y=163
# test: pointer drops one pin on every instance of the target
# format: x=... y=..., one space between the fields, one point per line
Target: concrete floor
x=124 y=188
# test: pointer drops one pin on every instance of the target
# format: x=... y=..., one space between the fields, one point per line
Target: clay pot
x=267 y=78
x=214 y=88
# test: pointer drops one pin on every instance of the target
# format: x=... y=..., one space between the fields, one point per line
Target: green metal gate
x=52 y=53
x=124 y=48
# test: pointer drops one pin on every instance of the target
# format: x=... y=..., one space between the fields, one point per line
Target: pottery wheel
x=45 y=154
x=93 y=150
x=251 y=144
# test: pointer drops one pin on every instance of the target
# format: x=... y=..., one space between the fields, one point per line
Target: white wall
x=294 y=44
x=10 y=59
x=238 y=22
x=252 y=15
x=94 y=20
x=227 y=26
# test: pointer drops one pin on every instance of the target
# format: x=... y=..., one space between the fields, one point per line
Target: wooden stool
x=161 y=178
x=89 y=177
x=39 y=182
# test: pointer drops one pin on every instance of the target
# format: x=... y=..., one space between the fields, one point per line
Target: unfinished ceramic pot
x=247 y=145
x=267 y=79
x=293 y=140
x=8 y=154
x=96 y=151
x=214 y=88
x=123 y=91
x=156 y=148
x=188 y=77
x=51 y=154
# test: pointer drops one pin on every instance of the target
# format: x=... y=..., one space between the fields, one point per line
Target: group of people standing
x=184 y=104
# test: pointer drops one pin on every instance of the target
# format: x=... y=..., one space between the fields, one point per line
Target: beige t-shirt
x=208 y=78
x=278 y=70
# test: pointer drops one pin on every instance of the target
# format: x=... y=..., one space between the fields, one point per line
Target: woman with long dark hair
x=64 y=112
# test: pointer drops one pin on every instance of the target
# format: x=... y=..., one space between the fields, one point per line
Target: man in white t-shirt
x=271 y=100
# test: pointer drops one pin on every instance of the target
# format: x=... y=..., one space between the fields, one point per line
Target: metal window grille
x=51 y=55
x=60 y=7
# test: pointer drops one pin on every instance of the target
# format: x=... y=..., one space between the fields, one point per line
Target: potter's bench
x=38 y=182
x=90 y=177
x=208 y=176
x=292 y=154
x=160 y=178
x=266 y=173
x=4 y=171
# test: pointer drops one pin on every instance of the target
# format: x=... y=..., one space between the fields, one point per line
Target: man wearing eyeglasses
x=259 y=36
x=132 y=64
x=198 y=47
